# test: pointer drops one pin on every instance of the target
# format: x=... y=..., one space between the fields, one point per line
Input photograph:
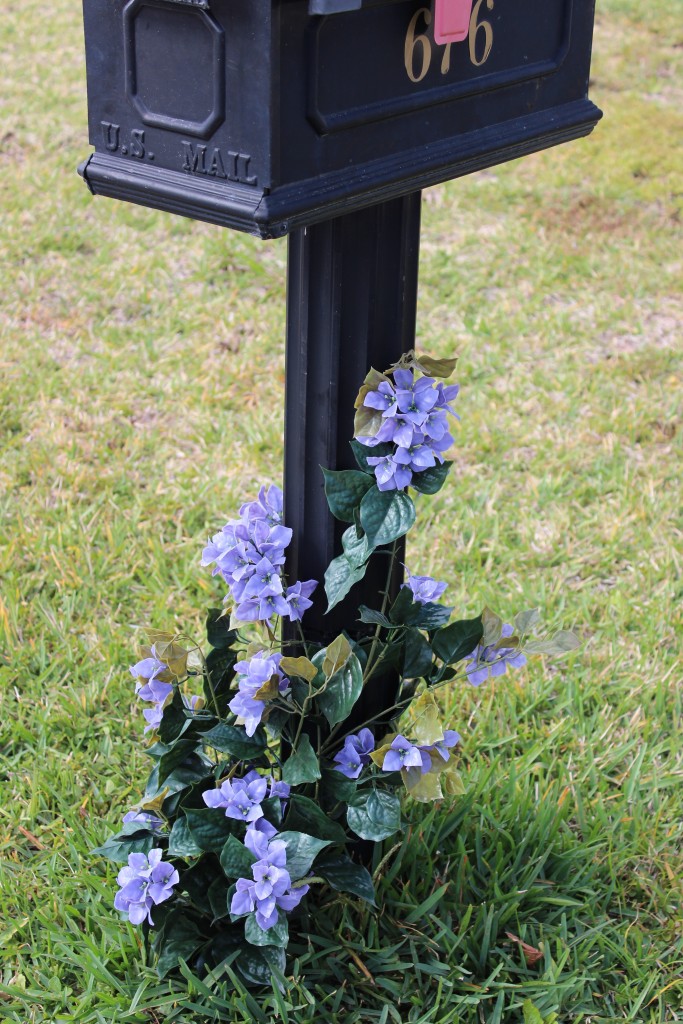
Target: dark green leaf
x=278 y=935
x=174 y=721
x=181 y=843
x=232 y=739
x=374 y=814
x=218 y=898
x=418 y=658
x=375 y=618
x=431 y=480
x=198 y=879
x=406 y=611
x=346 y=876
x=302 y=766
x=344 y=490
x=179 y=939
x=209 y=827
x=117 y=848
x=302 y=850
x=256 y=963
x=341 y=692
x=336 y=788
x=218 y=631
x=304 y=815
x=220 y=665
x=181 y=753
x=236 y=859
x=272 y=810
x=457 y=641
x=362 y=452
x=386 y=516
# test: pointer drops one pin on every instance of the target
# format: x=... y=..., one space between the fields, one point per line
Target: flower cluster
x=242 y=798
x=489 y=662
x=270 y=888
x=259 y=679
x=415 y=420
x=355 y=754
x=146 y=882
x=145 y=819
x=404 y=754
x=249 y=554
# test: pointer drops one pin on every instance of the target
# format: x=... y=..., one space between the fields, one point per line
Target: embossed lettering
x=194 y=162
x=217 y=169
x=233 y=167
x=111 y=133
x=137 y=143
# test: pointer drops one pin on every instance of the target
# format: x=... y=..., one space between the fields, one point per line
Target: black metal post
x=351 y=304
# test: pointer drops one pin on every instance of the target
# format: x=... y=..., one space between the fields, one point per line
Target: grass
x=141 y=398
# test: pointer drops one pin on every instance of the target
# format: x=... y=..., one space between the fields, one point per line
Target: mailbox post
x=323 y=120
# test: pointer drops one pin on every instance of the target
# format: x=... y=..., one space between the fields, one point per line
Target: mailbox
x=270 y=115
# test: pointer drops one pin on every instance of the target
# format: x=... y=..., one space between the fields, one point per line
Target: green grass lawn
x=141 y=400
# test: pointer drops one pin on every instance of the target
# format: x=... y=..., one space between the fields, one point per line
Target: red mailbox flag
x=451 y=20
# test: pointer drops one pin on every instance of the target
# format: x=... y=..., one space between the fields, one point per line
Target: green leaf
x=525 y=621
x=218 y=631
x=220 y=664
x=209 y=827
x=304 y=815
x=418 y=658
x=181 y=842
x=256 y=963
x=429 y=481
x=302 y=850
x=344 y=490
x=341 y=692
x=385 y=516
x=302 y=766
x=197 y=882
x=336 y=787
x=406 y=611
x=374 y=814
x=457 y=641
x=339 y=578
x=369 y=615
x=232 y=739
x=531 y=1014
x=179 y=939
x=236 y=859
x=345 y=876
x=561 y=643
x=493 y=628
x=278 y=935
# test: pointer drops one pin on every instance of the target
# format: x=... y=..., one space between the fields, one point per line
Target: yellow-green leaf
x=421 y=723
x=336 y=656
x=303 y=668
x=269 y=690
x=436 y=367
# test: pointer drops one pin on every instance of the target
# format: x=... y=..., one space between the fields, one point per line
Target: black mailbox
x=269 y=115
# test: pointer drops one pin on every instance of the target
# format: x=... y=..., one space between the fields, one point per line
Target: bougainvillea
x=264 y=784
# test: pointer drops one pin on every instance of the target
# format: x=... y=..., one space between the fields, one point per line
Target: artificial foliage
x=267 y=784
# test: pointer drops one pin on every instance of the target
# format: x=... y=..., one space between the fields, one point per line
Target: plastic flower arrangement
x=265 y=782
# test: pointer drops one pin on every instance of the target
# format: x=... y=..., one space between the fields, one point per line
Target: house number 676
x=418 y=45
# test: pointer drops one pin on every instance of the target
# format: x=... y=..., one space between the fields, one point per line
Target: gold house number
x=418 y=45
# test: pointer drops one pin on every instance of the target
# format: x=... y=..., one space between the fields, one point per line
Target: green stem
x=385 y=601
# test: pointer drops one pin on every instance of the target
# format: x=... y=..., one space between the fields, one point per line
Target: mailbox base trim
x=276 y=213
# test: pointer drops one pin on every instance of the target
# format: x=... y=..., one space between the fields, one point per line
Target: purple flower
x=355 y=754
x=404 y=754
x=493 y=661
x=144 y=883
x=153 y=717
x=267 y=507
x=384 y=399
x=389 y=474
x=298 y=598
x=192 y=701
x=424 y=588
x=269 y=889
x=143 y=818
x=415 y=398
x=447 y=393
x=251 y=675
x=149 y=670
x=450 y=739
x=241 y=798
